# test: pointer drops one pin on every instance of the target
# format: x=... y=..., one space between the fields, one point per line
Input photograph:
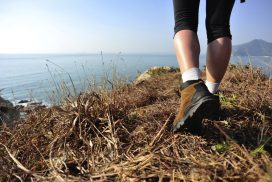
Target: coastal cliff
x=124 y=134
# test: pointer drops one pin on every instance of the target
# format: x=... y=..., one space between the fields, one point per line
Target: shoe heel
x=211 y=109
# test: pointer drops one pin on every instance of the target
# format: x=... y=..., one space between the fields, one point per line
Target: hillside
x=124 y=134
x=256 y=47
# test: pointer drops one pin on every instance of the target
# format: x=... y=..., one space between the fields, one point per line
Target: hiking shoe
x=196 y=104
x=216 y=114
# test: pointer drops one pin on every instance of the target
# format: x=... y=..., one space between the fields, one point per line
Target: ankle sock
x=212 y=87
x=191 y=74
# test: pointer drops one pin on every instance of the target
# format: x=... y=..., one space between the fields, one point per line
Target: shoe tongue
x=188 y=83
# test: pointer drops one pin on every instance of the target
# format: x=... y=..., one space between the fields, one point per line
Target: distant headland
x=256 y=47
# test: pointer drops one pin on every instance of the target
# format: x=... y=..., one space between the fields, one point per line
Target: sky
x=113 y=26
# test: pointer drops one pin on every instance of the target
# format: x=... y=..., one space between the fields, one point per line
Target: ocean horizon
x=37 y=76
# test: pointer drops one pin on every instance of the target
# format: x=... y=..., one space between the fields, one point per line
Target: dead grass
x=124 y=134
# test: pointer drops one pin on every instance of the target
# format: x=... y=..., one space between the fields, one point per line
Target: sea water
x=37 y=76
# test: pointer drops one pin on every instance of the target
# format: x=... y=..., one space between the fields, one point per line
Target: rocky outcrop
x=155 y=71
x=26 y=106
x=8 y=112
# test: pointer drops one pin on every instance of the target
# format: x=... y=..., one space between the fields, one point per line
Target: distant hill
x=256 y=47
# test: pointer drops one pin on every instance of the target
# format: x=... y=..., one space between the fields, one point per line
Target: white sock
x=191 y=74
x=212 y=87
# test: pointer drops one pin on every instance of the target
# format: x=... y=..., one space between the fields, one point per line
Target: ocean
x=39 y=76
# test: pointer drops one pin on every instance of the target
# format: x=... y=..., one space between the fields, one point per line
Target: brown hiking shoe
x=196 y=104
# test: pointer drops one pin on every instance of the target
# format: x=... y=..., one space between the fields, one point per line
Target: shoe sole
x=204 y=108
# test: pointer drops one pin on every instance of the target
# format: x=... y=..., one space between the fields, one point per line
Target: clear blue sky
x=91 y=26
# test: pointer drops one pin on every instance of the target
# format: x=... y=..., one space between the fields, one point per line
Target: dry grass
x=125 y=135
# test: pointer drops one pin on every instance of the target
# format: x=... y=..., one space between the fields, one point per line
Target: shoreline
x=37 y=85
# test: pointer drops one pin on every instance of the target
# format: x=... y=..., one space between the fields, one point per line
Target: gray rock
x=29 y=106
x=23 y=101
x=155 y=71
x=142 y=77
x=8 y=113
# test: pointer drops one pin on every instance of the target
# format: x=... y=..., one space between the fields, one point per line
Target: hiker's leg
x=186 y=41
x=196 y=101
x=219 y=38
x=187 y=49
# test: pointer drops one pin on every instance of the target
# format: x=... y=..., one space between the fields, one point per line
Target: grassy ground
x=125 y=135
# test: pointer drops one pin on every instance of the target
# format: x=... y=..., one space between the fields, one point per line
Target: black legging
x=217 y=17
